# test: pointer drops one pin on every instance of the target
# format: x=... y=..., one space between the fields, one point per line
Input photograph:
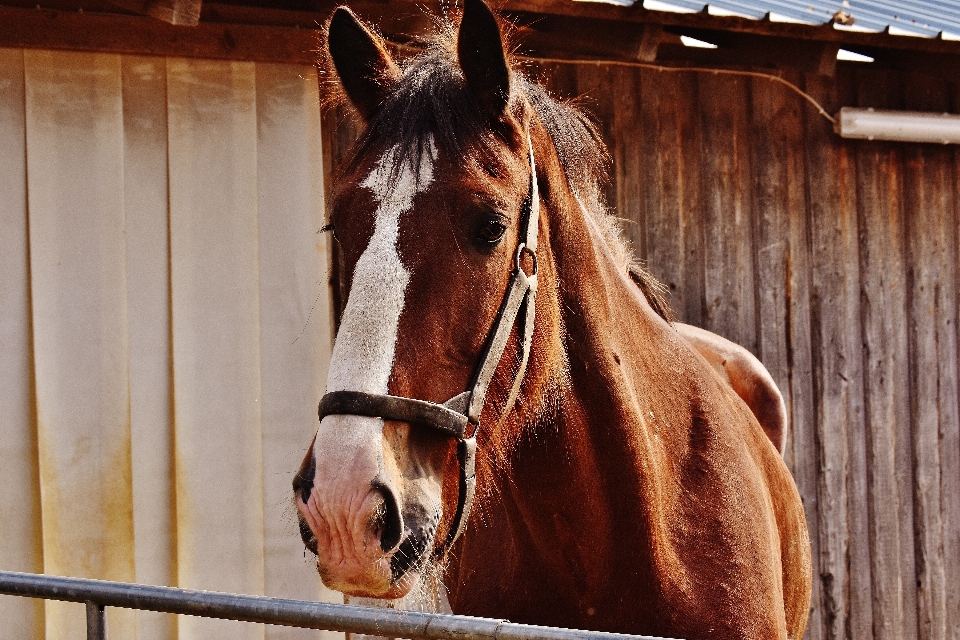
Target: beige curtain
x=164 y=330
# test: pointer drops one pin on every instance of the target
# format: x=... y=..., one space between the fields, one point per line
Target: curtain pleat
x=74 y=127
x=148 y=311
x=20 y=537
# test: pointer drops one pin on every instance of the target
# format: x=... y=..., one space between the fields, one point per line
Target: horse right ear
x=366 y=70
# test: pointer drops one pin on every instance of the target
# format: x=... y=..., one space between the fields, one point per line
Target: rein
x=459 y=417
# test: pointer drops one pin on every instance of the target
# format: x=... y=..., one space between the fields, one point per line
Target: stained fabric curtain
x=164 y=330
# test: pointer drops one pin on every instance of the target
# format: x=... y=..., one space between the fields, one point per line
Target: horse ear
x=366 y=70
x=482 y=59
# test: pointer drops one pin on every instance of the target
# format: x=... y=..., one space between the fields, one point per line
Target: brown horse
x=492 y=323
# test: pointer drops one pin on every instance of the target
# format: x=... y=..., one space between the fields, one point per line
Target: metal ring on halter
x=521 y=249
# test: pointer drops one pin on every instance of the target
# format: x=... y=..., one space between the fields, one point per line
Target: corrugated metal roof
x=921 y=18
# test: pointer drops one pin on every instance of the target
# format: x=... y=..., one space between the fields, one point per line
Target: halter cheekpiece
x=459 y=417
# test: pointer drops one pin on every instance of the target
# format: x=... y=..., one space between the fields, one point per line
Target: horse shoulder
x=746 y=375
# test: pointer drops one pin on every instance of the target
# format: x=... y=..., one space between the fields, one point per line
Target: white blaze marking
x=363 y=354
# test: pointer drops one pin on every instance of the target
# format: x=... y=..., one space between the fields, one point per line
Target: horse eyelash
x=329 y=227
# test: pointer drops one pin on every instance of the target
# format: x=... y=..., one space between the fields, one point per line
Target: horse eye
x=491 y=231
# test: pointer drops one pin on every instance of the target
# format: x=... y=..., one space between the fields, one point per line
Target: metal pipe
x=294 y=613
x=96 y=621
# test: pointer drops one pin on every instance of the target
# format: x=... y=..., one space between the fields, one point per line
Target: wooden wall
x=836 y=262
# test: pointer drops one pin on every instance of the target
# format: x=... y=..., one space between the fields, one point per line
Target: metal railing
x=99 y=594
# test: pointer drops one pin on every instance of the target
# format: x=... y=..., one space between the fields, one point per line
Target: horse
x=509 y=406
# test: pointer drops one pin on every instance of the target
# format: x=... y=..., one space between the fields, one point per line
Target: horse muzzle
x=370 y=539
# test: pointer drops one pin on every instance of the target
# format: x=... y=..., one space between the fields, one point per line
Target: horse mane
x=432 y=107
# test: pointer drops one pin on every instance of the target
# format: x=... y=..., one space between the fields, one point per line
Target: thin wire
x=732 y=72
x=656 y=67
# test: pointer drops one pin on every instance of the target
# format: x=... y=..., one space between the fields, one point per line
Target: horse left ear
x=365 y=68
x=482 y=59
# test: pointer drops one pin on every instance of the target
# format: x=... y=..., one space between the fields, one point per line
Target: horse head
x=437 y=215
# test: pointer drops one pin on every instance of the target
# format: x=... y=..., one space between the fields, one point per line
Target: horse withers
x=495 y=352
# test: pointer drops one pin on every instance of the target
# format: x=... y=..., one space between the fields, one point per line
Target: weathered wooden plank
x=925 y=349
x=657 y=183
x=886 y=386
x=580 y=38
x=689 y=136
x=949 y=359
x=951 y=430
x=185 y=12
x=148 y=302
x=670 y=185
x=775 y=137
x=924 y=209
x=593 y=87
x=20 y=526
x=837 y=370
x=782 y=241
x=940 y=266
x=628 y=154
x=803 y=402
x=727 y=222
x=861 y=606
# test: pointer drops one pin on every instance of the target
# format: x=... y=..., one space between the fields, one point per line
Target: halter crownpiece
x=459 y=417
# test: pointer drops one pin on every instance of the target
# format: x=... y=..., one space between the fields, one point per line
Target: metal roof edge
x=680 y=18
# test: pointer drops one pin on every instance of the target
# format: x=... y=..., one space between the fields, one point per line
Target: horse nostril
x=303 y=481
x=389 y=519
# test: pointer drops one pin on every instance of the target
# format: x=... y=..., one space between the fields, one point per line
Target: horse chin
x=374 y=582
x=398 y=589
x=379 y=580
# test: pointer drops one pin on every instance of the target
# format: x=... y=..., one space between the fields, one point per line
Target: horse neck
x=620 y=355
x=570 y=495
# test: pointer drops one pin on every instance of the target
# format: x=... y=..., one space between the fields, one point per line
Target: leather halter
x=459 y=417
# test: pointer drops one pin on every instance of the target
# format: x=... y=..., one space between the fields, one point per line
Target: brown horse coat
x=630 y=488
x=746 y=376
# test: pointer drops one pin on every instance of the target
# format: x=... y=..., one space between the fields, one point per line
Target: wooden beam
x=650 y=42
x=828 y=59
x=42 y=29
x=184 y=12
x=562 y=36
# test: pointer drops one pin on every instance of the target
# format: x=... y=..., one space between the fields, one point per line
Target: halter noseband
x=459 y=417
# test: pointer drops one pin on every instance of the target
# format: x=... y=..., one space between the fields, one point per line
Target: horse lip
x=309 y=540
x=410 y=554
